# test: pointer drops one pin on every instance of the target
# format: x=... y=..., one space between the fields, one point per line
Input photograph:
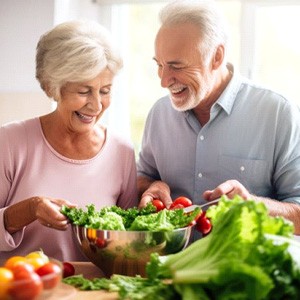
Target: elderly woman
x=64 y=157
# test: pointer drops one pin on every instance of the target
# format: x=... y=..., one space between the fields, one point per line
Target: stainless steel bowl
x=127 y=252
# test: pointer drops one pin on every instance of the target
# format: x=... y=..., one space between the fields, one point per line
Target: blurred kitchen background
x=265 y=46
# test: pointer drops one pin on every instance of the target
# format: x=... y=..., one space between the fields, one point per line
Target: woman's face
x=181 y=67
x=82 y=103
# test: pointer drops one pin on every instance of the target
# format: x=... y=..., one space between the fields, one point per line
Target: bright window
x=278 y=49
x=264 y=46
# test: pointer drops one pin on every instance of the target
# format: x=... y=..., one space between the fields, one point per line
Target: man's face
x=181 y=67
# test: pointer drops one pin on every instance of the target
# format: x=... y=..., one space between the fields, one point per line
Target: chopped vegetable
x=133 y=288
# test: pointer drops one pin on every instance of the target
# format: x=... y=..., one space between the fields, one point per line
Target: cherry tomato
x=50 y=273
x=184 y=201
x=22 y=269
x=203 y=225
x=27 y=284
x=101 y=243
x=176 y=206
x=68 y=269
x=6 y=277
x=158 y=204
x=200 y=215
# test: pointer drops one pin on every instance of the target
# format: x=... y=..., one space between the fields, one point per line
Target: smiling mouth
x=84 y=117
x=178 y=91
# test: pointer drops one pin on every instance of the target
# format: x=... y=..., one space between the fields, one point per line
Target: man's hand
x=230 y=188
x=155 y=190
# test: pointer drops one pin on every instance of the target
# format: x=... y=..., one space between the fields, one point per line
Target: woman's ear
x=218 y=57
x=47 y=90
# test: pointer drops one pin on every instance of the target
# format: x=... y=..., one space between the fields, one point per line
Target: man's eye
x=176 y=67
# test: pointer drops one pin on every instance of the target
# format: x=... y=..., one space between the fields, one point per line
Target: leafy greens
x=116 y=218
x=246 y=256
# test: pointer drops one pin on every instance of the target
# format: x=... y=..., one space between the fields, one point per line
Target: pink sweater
x=29 y=167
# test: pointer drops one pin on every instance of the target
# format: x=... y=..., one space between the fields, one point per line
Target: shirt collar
x=228 y=96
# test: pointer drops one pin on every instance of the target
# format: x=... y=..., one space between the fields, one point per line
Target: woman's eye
x=83 y=92
x=105 y=91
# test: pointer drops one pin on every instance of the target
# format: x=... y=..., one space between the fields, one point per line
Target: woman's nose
x=96 y=102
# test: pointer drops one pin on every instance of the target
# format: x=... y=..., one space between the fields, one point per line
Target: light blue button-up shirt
x=253 y=136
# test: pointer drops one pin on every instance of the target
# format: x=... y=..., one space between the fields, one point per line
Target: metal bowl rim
x=136 y=231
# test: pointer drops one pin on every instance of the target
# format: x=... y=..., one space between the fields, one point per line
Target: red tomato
x=200 y=215
x=158 y=204
x=184 y=201
x=176 y=206
x=203 y=225
x=22 y=269
x=50 y=273
x=68 y=270
x=101 y=243
x=27 y=284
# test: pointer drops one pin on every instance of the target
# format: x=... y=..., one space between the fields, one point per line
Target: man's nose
x=166 y=77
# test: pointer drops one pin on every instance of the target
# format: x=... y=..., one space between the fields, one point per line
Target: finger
x=167 y=202
x=206 y=195
x=224 y=188
x=145 y=200
x=61 y=202
x=62 y=225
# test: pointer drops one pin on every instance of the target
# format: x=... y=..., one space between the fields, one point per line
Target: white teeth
x=176 y=90
x=83 y=116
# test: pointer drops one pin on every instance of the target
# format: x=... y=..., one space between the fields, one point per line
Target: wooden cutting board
x=67 y=292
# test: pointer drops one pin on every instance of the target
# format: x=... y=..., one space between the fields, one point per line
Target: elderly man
x=217 y=133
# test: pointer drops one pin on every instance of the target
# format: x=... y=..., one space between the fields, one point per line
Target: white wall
x=21 y=25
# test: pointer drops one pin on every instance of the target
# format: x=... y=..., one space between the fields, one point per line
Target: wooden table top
x=88 y=270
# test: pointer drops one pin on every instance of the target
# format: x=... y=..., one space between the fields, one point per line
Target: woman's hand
x=47 y=212
x=43 y=209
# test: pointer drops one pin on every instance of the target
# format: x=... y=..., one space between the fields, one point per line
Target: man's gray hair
x=205 y=14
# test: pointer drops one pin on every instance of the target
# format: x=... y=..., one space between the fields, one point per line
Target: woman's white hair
x=205 y=14
x=74 y=51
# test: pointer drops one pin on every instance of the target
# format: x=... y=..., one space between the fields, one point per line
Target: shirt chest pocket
x=254 y=174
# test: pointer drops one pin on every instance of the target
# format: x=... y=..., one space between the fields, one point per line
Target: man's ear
x=218 y=57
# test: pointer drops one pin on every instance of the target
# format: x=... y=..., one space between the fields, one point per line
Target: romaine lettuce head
x=236 y=258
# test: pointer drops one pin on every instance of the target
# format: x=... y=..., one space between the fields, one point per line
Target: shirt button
x=201 y=137
x=242 y=168
x=200 y=175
